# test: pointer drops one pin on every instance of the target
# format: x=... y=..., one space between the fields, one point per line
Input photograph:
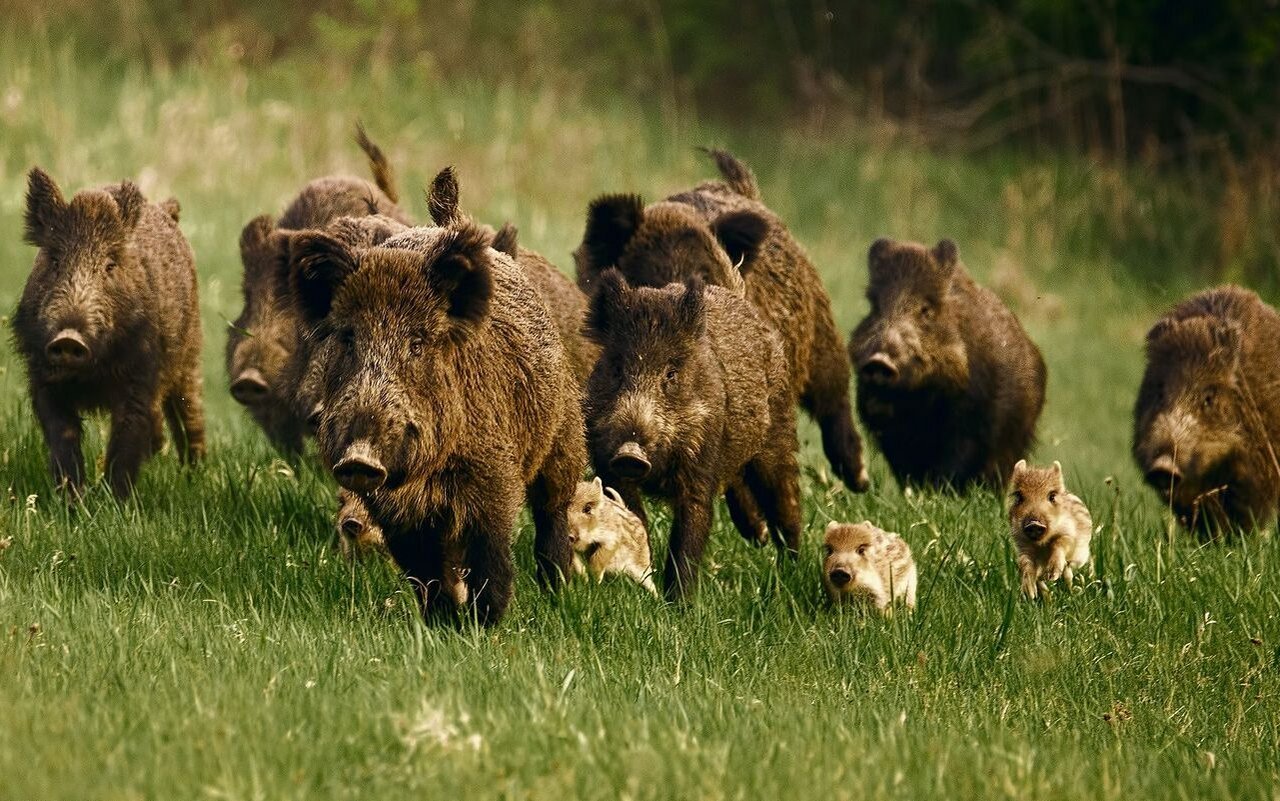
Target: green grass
x=204 y=641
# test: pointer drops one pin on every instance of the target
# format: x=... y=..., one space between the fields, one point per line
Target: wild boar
x=949 y=384
x=1207 y=420
x=445 y=400
x=1051 y=528
x=689 y=396
x=721 y=232
x=110 y=320
x=357 y=533
x=263 y=359
x=609 y=536
x=864 y=563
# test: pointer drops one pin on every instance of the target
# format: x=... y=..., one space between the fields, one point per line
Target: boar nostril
x=67 y=348
x=1164 y=473
x=630 y=461
x=249 y=388
x=359 y=470
x=352 y=527
x=840 y=577
x=878 y=368
x=1034 y=529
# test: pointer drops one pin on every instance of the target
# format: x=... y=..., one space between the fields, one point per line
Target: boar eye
x=1210 y=396
x=926 y=311
x=1017 y=498
x=828 y=550
x=111 y=266
x=347 y=338
x=1053 y=496
x=862 y=550
x=586 y=510
x=672 y=375
x=417 y=346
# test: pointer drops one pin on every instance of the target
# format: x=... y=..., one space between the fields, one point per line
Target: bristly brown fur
x=443 y=197
x=949 y=384
x=721 y=232
x=1207 y=418
x=437 y=357
x=693 y=379
x=114 y=273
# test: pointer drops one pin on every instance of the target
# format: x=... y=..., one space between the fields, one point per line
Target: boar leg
x=420 y=555
x=826 y=398
x=185 y=411
x=689 y=533
x=61 y=426
x=774 y=480
x=745 y=513
x=549 y=497
x=132 y=429
x=490 y=570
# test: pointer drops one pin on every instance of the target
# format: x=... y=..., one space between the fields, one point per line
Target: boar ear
x=462 y=275
x=507 y=240
x=880 y=249
x=611 y=222
x=831 y=526
x=1226 y=338
x=693 y=307
x=741 y=234
x=254 y=236
x=607 y=302
x=172 y=207
x=1020 y=467
x=45 y=206
x=129 y=200
x=597 y=483
x=946 y=254
x=318 y=265
x=442 y=197
x=1057 y=468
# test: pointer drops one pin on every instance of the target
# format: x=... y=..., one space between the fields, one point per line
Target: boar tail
x=737 y=175
x=382 y=174
x=507 y=240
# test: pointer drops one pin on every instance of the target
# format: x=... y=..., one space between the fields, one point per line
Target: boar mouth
x=630 y=462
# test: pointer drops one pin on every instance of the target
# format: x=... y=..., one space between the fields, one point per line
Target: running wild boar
x=110 y=320
x=949 y=384
x=264 y=354
x=1207 y=419
x=1051 y=528
x=865 y=564
x=721 y=232
x=445 y=400
x=609 y=537
x=690 y=396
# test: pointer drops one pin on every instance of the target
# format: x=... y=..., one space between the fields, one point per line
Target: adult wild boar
x=109 y=320
x=1207 y=420
x=949 y=384
x=446 y=400
x=721 y=232
x=690 y=396
x=263 y=351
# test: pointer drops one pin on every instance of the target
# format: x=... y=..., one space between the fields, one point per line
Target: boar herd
x=451 y=377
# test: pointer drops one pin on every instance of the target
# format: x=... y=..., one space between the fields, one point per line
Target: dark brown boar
x=263 y=358
x=110 y=320
x=1207 y=419
x=690 y=396
x=949 y=384
x=565 y=301
x=446 y=400
x=721 y=232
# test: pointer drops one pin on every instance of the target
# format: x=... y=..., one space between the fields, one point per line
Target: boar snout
x=840 y=577
x=67 y=348
x=250 y=387
x=878 y=368
x=1164 y=474
x=1033 y=528
x=352 y=527
x=630 y=461
x=360 y=470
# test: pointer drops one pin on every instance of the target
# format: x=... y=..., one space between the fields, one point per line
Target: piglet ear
x=45 y=207
x=831 y=526
x=692 y=312
x=1020 y=467
x=612 y=220
x=741 y=234
x=318 y=266
x=442 y=198
x=598 y=484
x=608 y=302
x=946 y=254
x=1057 y=468
x=130 y=201
x=462 y=275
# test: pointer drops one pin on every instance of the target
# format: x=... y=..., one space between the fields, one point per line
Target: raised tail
x=737 y=175
x=382 y=174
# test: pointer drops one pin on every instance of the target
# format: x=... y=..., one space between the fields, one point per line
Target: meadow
x=206 y=641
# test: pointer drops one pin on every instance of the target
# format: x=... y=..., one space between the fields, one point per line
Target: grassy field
x=204 y=640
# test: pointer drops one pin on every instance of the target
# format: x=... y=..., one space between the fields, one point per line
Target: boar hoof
x=249 y=388
x=630 y=461
x=67 y=349
x=359 y=470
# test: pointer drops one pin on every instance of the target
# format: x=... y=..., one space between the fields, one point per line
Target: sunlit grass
x=206 y=641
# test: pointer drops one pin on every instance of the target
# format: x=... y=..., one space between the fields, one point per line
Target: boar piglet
x=109 y=320
x=1207 y=419
x=949 y=384
x=721 y=232
x=445 y=400
x=690 y=395
x=263 y=350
